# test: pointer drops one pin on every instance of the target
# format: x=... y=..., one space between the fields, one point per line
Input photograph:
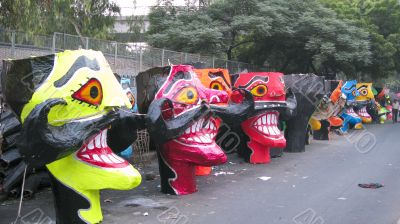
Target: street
x=314 y=187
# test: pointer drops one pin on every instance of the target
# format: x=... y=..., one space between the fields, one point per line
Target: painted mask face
x=268 y=90
x=182 y=117
x=180 y=103
x=67 y=103
x=349 y=89
x=186 y=92
x=365 y=90
x=215 y=78
x=350 y=117
x=366 y=94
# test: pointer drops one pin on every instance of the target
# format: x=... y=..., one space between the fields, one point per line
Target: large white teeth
x=269 y=119
x=212 y=127
x=194 y=127
x=277 y=131
x=198 y=126
x=113 y=159
x=264 y=120
x=190 y=139
x=105 y=159
x=118 y=158
x=203 y=139
x=84 y=149
x=265 y=130
x=104 y=138
x=259 y=121
x=187 y=131
x=86 y=156
x=196 y=139
x=271 y=130
x=97 y=141
x=90 y=145
x=207 y=125
x=97 y=158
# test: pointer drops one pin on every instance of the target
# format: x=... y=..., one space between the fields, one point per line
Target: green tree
x=381 y=19
x=289 y=36
x=82 y=17
x=214 y=30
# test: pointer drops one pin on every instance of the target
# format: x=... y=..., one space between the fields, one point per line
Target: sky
x=142 y=6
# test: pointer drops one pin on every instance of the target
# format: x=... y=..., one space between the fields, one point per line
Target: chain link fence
x=126 y=59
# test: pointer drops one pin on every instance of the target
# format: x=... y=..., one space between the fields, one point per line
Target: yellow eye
x=363 y=91
x=259 y=90
x=354 y=92
x=187 y=95
x=216 y=85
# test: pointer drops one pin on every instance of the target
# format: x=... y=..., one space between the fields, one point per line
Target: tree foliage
x=352 y=37
x=82 y=17
x=381 y=19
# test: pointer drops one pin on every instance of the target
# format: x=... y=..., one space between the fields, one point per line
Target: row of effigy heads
x=350 y=105
x=76 y=119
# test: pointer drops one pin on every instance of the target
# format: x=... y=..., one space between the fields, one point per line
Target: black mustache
x=41 y=143
x=236 y=112
x=286 y=109
x=163 y=130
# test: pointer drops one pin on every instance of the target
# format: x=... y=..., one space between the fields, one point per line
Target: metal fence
x=124 y=58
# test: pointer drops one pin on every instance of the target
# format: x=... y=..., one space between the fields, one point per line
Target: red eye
x=91 y=92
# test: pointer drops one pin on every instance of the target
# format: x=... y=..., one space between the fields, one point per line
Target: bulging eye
x=216 y=85
x=363 y=91
x=91 y=92
x=259 y=90
x=354 y=92
x=187 y=95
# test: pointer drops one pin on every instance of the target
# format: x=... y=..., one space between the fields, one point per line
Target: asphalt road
x=315 y=187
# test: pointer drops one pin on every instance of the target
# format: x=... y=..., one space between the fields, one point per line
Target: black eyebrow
x=219 y=74
x=365 y=86
x=178 y=76
x=80 y=62
x=353 y=86
x=257 y=77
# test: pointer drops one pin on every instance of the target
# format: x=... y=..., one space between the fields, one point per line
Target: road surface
x=315 y=187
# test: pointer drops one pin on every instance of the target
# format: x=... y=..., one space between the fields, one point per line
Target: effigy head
x=366 y=93
x=67 y=102
x=325 y=116
x=363 y=100
x=349 y=89
x=350 y=117
x=183 y=121
x=268 y=90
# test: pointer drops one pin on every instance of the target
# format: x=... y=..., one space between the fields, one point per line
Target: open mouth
x=202 y=131
x=350 y=111
x=96 y=152
x=267 y=124
x=363 y=112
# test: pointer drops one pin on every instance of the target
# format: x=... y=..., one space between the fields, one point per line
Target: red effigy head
x=268 y=90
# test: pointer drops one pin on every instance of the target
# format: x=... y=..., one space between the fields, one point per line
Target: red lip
x=267 y=124
x=202 y=132
x=96 y=152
